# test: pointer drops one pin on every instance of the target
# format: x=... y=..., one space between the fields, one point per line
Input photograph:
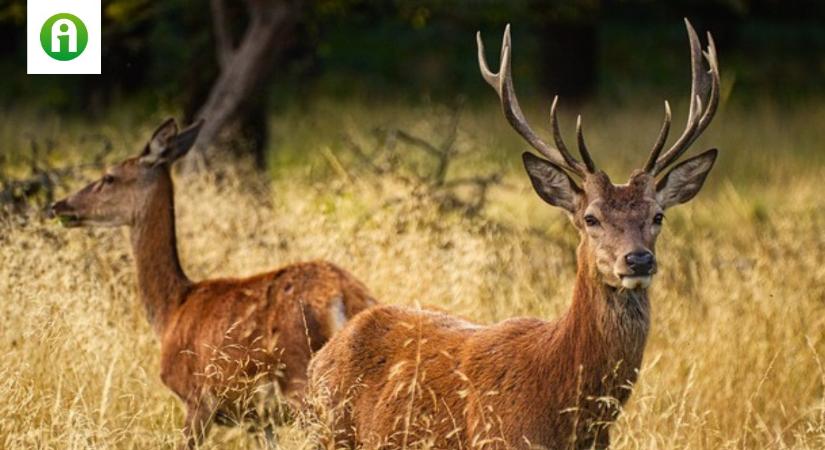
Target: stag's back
x=411 y=377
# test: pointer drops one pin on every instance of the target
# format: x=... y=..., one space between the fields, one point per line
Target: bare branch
x=418 y=142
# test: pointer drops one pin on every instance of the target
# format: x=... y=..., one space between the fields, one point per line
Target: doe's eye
x=591 y=220
x=108 y=179
x=658 y=219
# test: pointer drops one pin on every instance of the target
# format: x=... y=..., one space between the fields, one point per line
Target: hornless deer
x=394 y=376
x=227 y=345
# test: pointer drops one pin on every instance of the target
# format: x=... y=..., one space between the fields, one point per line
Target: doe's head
x=619 y=223
x=124 y=189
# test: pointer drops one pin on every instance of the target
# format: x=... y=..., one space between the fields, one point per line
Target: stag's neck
x=161 y=280
x=604 y=331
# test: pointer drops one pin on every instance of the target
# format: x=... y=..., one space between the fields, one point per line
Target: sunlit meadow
x=736 y=354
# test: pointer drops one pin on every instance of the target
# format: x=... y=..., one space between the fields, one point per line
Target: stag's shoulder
x=383 y=320
x=381 y=333
x=499 y=341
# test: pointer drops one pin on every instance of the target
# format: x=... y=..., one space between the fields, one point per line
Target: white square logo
x=63 y=37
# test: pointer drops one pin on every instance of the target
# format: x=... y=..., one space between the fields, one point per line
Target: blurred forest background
x=242 y=62
x=385 y=152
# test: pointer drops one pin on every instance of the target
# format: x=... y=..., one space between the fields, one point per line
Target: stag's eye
x=658 y=219
x=108 y=179
x=591 y=221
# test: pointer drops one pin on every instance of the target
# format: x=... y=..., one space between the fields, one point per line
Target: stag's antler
x=502 y=82
x=704 y=84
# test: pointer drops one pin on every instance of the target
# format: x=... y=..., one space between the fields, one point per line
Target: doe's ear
x=685 y=180
x=167 y=144
x=551 y=182
x=162 y=137
x=185 y=140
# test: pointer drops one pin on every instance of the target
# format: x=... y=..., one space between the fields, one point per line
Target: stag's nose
x=640 y=262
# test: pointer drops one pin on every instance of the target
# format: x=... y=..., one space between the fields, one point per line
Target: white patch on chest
x=337 y=314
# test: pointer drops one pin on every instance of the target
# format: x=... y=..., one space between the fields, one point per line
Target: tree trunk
x=242 y=68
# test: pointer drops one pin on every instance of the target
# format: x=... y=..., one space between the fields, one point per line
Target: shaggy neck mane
x=161 y=280
x=598 y=343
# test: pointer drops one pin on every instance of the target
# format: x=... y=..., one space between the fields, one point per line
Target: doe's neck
x=161 y=279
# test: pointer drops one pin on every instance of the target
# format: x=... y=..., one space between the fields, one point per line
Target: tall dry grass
x=736 y=356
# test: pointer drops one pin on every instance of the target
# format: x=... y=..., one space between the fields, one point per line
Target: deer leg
x=198 y=420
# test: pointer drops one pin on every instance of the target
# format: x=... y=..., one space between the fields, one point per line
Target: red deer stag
x=225 y=343
x=395 y=376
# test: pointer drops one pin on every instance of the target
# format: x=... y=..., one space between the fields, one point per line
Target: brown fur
x=227 y=345
x=397 y=376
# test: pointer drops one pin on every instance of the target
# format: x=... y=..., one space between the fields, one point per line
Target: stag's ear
x=684 y=180
x=551 y=182
x=167 y=144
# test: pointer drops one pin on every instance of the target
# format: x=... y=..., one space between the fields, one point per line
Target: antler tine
x=502 y=82
x=660 y=141
x=588 y=161
x=702 y=81
x=554 y=124
x=715 y=83
x=491 y=78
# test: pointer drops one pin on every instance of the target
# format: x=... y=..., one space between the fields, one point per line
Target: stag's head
x=618 y=223
x=124 y=190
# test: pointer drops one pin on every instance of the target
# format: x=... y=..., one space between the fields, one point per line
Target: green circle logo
x=64 y=37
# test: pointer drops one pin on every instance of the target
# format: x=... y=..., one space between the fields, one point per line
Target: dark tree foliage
x=183 y=54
